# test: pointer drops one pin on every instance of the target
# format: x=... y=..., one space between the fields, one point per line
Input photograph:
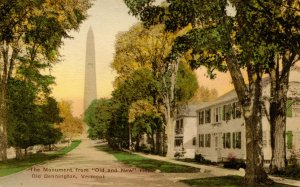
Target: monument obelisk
x=90 y=86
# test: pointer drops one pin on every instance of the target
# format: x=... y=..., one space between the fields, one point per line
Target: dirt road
x=86 y=167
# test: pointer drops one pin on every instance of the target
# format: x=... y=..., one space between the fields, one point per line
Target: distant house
x=186 y=131
x=220 y=127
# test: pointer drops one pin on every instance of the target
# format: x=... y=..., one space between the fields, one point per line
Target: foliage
x=49 y=134
x=139 y=102
x=118 y=129
x=293 y=168
x=30 y=123
x=70 y=126
x=128 y=92
x=141 y=48
x=186 y=84
x=230 y=180
x=221 y=41
x=149 y=164
x=146 y=124
x=141 y=108
x=203 y=94
x=98 y=117
x=13 y=166
x=200 y=159
x=235 y=164
x=140 y=60
x=31 y=33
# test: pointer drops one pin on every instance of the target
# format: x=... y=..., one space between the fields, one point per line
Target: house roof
x=231 y=95
x=188 y=110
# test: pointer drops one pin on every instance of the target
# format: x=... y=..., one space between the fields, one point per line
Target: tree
x=145 y=118
x=70 y=126
x=98 y=117
x=117 y=131
x=219 y=41
x=204 y=94
x=32 y=31
x=280 y=43
x=130 y=95
x=49 y=135
x=148 y=48
x=31 y=119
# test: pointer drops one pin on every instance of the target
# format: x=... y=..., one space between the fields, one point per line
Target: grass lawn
x=12 y=166
x=291 y=172
x=226 y=181
x=148 y=164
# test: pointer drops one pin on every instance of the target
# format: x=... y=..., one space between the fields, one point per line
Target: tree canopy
x=220 y=40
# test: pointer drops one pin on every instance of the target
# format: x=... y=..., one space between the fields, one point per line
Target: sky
x=107 y=18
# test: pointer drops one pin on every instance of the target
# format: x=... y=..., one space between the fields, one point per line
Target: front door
x=218 y=147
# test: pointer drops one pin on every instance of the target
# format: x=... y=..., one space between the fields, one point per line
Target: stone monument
x=90 y=86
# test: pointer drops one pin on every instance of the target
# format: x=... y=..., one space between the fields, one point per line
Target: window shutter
x=289 y=112
x=223 y=112
x=233 y=140
x=289 y=141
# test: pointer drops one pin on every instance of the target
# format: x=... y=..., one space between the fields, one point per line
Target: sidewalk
x=216 y=171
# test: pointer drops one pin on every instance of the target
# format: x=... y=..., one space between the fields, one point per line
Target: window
x=207 y=116
x=226 y=140
x=177 y=124
x=194 y=141
x=296 y=108
x=227 y=112
x=201 y=140
x=179 y=127
x=236 y=140
x=178 y=142
x=207 y=140
x=201 y=117
x=217 y=114
x=233 y=140
x=223 y=113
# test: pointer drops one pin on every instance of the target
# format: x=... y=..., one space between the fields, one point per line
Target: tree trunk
x=154 y=148
x=170 y=107
x=137 y=144
x=250 y=99
x=19 y=154
x=3 y=123
x=158 y=141
x=278 y=103
x=170 y=137
x=26 y=153
x=163 y=142
x=255 y=174
x=278 y=161
x=130 y=137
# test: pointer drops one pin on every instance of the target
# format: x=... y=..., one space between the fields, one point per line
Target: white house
x=186 y=131
x=221 y=129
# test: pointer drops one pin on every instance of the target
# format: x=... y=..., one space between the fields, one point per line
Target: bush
x=178 y=155
x=293 y=171
x=145 y=149
x=235 y=164
x=200 y=159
